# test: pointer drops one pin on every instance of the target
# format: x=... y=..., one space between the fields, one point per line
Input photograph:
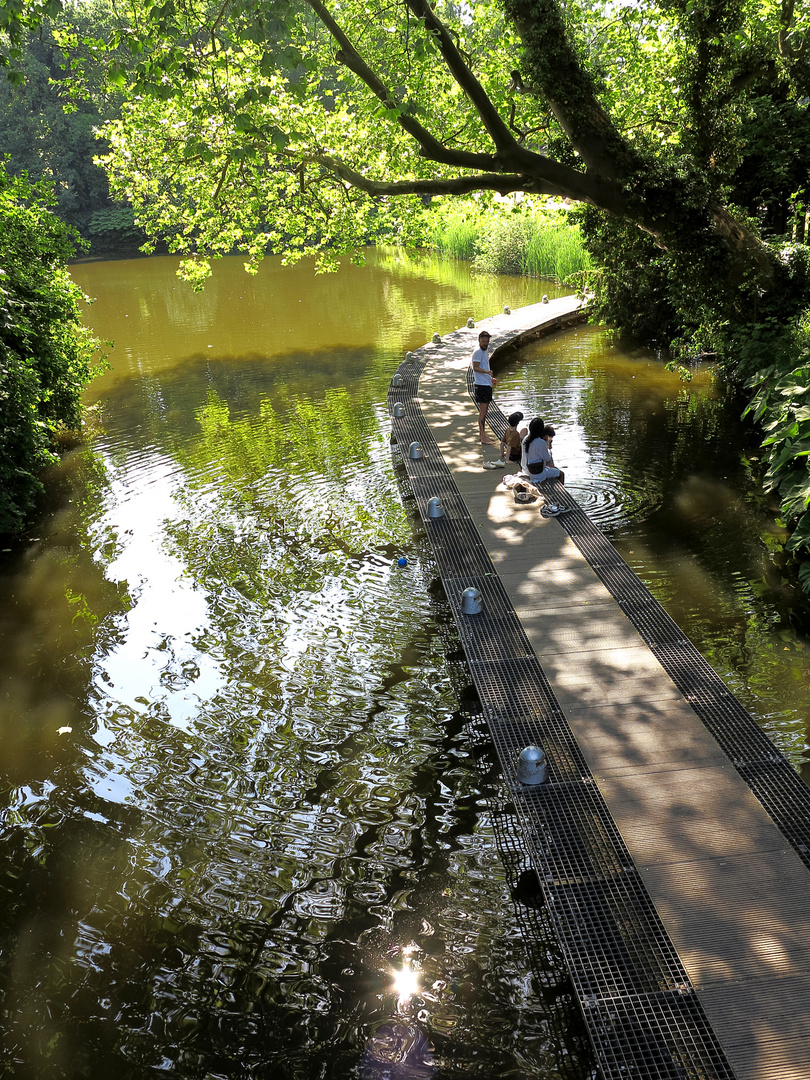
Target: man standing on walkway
x=484 y=381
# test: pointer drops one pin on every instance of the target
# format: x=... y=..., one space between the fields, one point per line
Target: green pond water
x=243 y=828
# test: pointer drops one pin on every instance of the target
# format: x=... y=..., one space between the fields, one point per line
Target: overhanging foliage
x=294 y=124
x=45 y=353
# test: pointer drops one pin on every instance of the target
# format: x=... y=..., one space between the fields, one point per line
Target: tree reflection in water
x=269 y=788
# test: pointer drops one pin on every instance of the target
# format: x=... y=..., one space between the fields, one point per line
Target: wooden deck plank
x=650 y=734
x=749 y=938
x=770 y=1040
x=681 y=815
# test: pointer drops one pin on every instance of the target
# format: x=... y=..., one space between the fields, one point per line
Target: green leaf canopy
x=291 y=124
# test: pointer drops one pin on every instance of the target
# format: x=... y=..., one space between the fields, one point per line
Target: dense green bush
x=780 y=403
x=45 y=353
x=113 y=229
x=45 y=137
x=761 y=341
x=503 y=246
x=48 y=131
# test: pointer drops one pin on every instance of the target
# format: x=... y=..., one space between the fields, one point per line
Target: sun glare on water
x=406 y=981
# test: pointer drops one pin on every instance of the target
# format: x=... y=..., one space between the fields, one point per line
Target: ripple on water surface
x=610 y=500
x=269 y=716
x=240 y=799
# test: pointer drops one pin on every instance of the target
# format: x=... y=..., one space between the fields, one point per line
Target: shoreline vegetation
x=679 y=170
x=498 y=238
x=47 y=356
x=510 y=238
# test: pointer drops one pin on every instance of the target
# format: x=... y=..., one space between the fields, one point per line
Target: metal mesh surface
x=769 y=775
x=549 y=967
x=564 y=758
x=641 y=1013
x=664 y=1030
x=495 y=632
x=610 y=932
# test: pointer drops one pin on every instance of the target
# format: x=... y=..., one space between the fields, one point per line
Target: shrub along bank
x=780 y=403
x=504 y=238
x=759 y=338
x=763 y=350
x=46 y=355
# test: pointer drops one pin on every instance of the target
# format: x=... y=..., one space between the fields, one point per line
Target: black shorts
x=483 y=393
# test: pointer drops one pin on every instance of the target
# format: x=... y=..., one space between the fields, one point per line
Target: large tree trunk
x=749 y=256
x=553 y=68
x=617 y=179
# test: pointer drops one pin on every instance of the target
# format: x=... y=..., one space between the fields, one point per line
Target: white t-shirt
x=483 y=377
x=538 y=451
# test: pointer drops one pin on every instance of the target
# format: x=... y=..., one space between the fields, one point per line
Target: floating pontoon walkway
x=672 y=839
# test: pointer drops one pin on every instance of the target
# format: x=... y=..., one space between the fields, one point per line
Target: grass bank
x=502 y=239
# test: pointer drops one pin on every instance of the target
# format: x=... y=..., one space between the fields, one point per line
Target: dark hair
x=513 y=419
x=536 y=429
x=549 y=430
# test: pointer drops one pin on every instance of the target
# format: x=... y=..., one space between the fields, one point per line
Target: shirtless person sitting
x=513 y=437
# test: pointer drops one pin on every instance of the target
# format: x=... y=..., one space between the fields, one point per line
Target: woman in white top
x=536 y=459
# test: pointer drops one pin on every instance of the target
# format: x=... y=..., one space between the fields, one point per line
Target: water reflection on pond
x=239 y=790
x=239 y=793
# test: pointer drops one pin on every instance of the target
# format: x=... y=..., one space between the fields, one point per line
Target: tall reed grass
x=532 y=242
x=458 y=233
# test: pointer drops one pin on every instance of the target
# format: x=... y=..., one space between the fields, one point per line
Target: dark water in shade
x=237 y=784
x=238 y=791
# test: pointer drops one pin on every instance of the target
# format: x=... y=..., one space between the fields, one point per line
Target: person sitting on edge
x=536 y=459
x=514 y=436
x=484 y=381
x=548 y=436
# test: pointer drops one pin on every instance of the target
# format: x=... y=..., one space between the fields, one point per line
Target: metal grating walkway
x=767 y=772
x=642 y=1013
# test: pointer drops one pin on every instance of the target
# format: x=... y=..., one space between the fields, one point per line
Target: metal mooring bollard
x=398 y=410
x=397 y=379
x=437 y=339
x=532 y=767
x=415 y=451
x=471 y=602
x=434 y=507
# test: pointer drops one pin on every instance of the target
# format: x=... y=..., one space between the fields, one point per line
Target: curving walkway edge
x=672 y=840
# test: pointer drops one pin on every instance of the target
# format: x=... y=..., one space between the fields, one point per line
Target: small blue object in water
x=402 y=561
